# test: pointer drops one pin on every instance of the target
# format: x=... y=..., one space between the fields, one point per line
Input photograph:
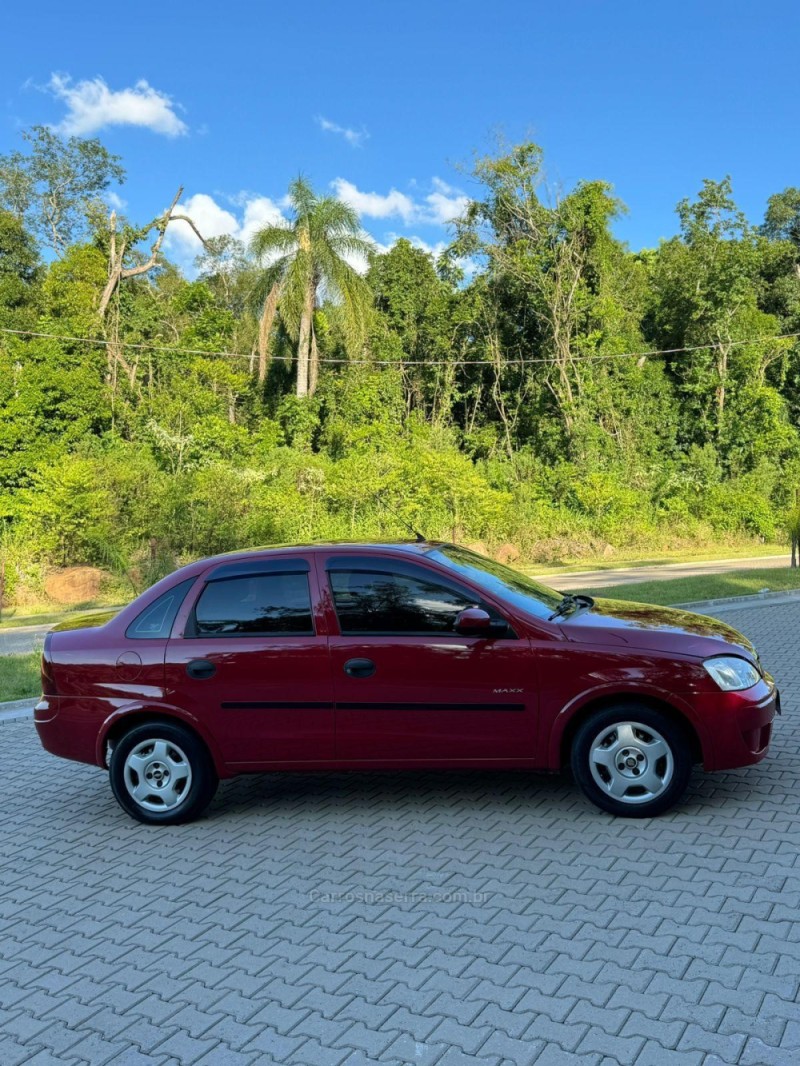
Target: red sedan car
x=395 y=656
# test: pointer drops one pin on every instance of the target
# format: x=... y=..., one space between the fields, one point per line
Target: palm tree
x=307 y=260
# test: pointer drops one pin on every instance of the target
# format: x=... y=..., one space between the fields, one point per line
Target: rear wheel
x=632 y=760
x=162 y=774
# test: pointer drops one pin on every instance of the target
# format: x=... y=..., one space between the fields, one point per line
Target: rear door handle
x=359 y=668
x=200 y=669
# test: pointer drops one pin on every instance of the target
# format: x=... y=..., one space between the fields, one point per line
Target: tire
x=631 y=760
x=162 y=774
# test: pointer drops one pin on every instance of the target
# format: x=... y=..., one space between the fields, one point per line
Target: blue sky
x=233 y=100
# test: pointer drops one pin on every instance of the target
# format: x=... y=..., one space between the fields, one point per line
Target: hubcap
x=631 y=762
x=157 y=775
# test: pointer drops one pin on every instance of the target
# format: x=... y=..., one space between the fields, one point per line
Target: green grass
x=20 y=676
x=624 y=560
x=708 y=587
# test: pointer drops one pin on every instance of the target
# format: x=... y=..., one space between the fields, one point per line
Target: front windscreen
x=507 y=584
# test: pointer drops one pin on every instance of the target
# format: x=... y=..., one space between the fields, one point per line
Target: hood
x=85 y=621
x=642 y=625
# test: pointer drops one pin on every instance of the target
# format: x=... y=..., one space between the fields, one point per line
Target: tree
x=125 y=261
x=561 y=298
x=55 y=188
x=782 y=218
x=52 y=392
x=20 y=274
x=304 y=261
x=416 y=324
x=706 y=285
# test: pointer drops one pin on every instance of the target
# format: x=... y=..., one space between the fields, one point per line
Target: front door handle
x=200 y=669
x=359 y=668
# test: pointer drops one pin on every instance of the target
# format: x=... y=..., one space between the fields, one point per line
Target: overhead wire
x=520 y=360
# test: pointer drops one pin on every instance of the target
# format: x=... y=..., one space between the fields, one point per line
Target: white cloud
x=213 y=220
x=373 y=204
x=439 y=207
x=210 y=219
x=445 y=203
x=355 y=138
x=258 y=213
x=115 y=201
x=91 y=106
x=248 y=212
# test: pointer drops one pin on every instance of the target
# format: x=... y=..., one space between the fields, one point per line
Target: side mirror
x=473 y=622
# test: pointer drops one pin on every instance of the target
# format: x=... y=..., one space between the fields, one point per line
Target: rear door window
x=254 y=605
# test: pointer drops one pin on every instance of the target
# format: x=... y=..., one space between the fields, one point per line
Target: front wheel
x=631 y=760
x=162 y=774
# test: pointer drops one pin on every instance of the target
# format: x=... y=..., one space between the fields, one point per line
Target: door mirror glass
x=473 y=622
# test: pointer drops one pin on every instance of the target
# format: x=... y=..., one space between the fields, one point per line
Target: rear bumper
x=739 y=725
x=71 y=735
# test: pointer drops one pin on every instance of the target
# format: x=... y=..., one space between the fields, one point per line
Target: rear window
x=155 y=621
x=255 y=605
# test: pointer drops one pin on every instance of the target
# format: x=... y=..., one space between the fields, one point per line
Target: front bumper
x=738 y=725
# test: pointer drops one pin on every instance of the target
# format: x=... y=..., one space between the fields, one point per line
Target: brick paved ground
x=576 y=937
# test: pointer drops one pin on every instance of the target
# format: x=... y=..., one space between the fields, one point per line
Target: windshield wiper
x=570 y=603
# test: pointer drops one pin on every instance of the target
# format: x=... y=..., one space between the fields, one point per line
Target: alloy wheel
x=157 y=775
x=631 y=762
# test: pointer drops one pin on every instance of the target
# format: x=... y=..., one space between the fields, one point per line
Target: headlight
x=732 y=673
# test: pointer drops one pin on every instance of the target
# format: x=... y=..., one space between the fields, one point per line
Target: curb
x=16 y=710
x=757 y=599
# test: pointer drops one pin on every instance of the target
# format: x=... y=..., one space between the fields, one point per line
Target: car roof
x=339 y=546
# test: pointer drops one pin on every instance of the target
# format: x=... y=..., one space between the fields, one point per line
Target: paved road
x=21 y=641
x=405 y=918
x=589 y=579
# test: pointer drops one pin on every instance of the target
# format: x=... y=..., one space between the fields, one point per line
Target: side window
x=155 y=621
x=254 y=605
x=395 y=604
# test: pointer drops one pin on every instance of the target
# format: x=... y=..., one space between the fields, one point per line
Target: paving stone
x=655 y=1054
x=312 y=1053
x=274 y=1046
x=624 y=1049
x=757 y=1053
x=726 y=1047
x=520 y=1051
x=552 y=1055
x=675 y=941
x=467 y=1038
x=184 y=1047
x=405 y=1049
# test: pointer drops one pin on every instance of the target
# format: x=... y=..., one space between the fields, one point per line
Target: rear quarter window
x=155 y=621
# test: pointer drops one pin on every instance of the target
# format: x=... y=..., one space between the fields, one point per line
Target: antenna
x=418 y=537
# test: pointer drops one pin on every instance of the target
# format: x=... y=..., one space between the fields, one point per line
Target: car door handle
x=359 y=668
x=200 y=669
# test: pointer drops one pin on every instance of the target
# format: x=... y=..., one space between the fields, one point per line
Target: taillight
x=48 y=680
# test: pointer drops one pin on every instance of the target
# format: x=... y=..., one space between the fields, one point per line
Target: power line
x=138 y=346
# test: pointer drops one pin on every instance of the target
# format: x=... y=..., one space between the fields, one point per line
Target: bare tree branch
x=117 y=271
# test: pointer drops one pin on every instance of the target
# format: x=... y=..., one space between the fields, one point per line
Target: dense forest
x=540 y=388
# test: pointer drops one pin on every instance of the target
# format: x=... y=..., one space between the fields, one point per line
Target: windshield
x=506 y=584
